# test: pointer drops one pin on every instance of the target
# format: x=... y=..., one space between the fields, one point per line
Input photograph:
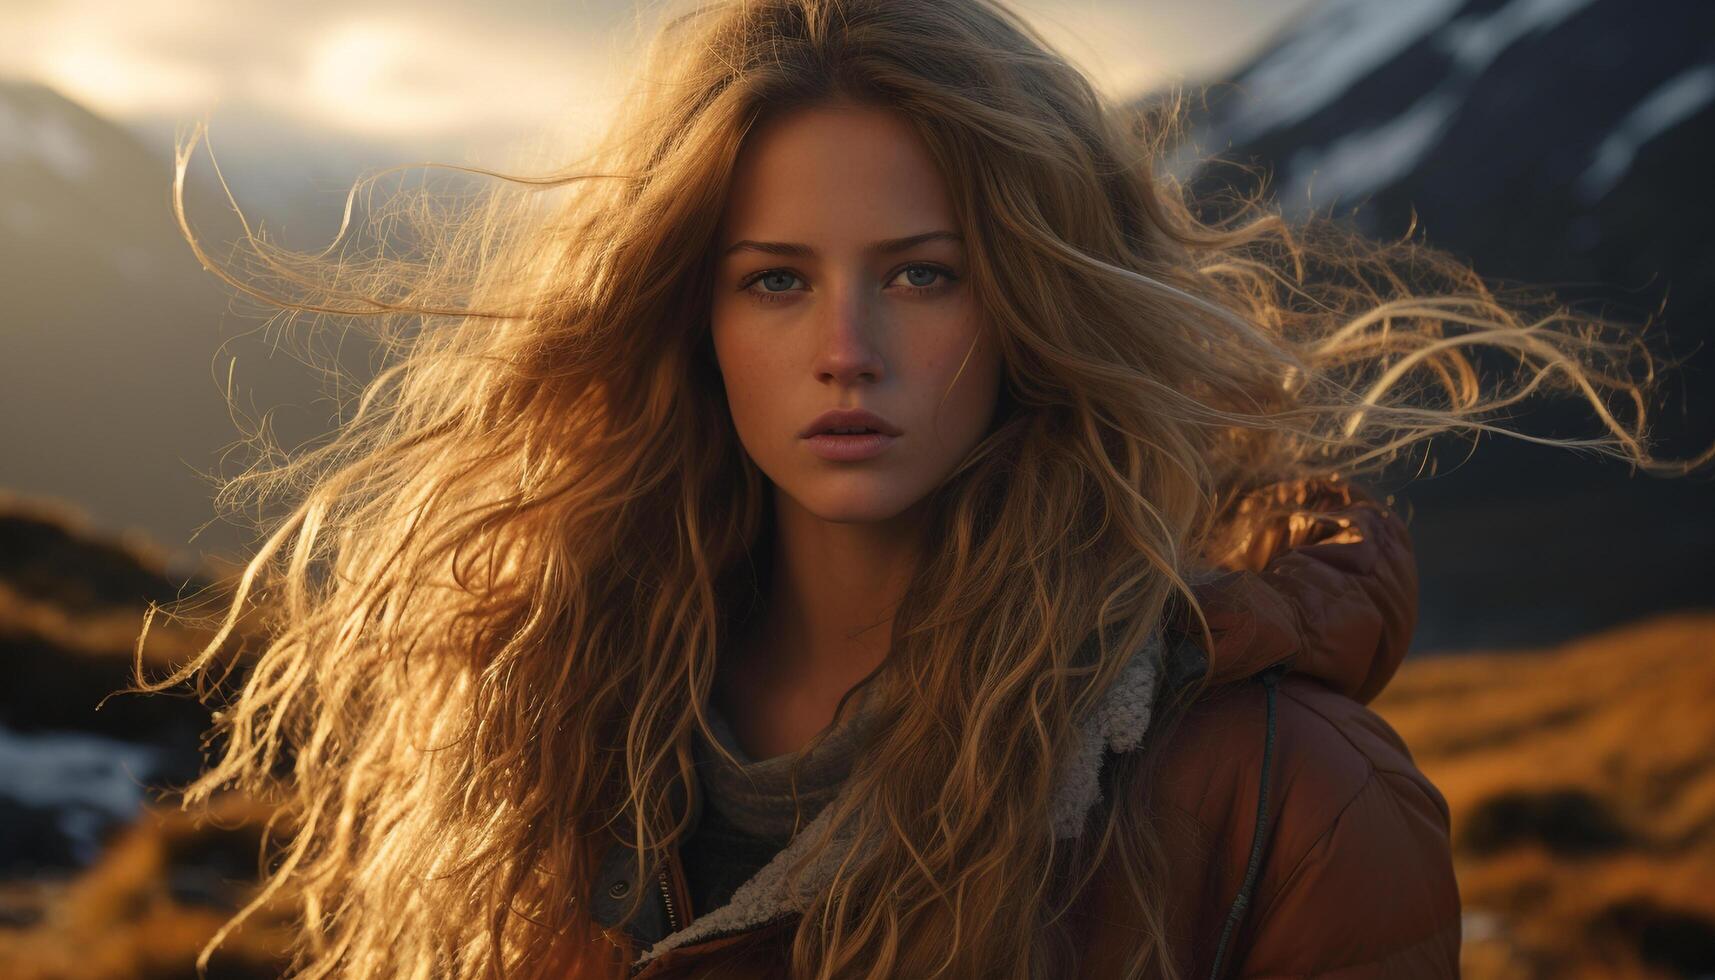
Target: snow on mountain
x=1371 y=159
x=1339 y=47
x=1475 y=40
x=1361 y=95
x=1328 y=52
x=1677 y=100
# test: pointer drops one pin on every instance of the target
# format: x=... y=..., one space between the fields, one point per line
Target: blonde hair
x=493 y=611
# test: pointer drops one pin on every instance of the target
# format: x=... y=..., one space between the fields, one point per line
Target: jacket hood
x=1318 y=573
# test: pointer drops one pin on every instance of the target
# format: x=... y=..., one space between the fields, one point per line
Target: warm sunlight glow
x=381 y=75
x=121 y=80
x=442 y=71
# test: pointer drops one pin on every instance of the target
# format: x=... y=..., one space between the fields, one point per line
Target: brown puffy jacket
x=1347 y=873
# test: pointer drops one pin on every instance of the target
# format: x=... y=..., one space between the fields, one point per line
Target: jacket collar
x=1117 y=724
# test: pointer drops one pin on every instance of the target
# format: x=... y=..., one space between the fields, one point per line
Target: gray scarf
x=1118 y=723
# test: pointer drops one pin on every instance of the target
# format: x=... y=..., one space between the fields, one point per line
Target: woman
x=860 y=531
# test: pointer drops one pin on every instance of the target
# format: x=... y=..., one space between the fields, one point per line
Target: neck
x=828 y=620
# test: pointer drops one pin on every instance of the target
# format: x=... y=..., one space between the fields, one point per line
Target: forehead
x=833 y=175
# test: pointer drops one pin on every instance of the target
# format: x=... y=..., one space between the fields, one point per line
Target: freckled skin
x=848 y=327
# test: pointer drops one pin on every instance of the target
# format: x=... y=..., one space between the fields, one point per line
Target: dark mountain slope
x=1563 y=143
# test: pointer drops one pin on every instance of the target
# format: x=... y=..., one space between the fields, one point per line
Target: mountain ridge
x=1555 y=143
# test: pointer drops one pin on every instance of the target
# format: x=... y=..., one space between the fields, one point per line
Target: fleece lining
x=1118 y=722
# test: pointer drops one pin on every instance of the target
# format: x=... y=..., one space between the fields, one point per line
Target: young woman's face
x=840 y=283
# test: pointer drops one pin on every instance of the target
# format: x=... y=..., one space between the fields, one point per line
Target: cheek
x=965 y=368
x=748 y=367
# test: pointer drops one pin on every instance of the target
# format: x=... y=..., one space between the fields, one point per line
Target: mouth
x=849 y=422
x=847 y=445
x=848 y=435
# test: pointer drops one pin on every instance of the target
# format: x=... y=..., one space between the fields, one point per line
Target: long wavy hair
x=492 y=603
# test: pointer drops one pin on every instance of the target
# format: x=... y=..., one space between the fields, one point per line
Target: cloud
x=439 y=70
x=423 y=71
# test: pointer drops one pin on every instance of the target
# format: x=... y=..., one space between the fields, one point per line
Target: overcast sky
x=443 y=73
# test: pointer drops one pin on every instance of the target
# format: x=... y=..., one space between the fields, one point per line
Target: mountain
x=118 y=345
x=1561 y=143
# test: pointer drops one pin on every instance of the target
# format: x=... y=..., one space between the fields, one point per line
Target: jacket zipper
x=667 y=899
x=672 y=913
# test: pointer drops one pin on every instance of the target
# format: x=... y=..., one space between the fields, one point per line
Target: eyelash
x=947 y=279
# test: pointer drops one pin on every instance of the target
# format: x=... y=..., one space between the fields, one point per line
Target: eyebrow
x=884 y=247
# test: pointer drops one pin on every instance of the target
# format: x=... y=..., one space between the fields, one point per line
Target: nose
x=847 y=352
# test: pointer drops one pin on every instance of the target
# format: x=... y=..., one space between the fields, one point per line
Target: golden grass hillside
x=1582 y=785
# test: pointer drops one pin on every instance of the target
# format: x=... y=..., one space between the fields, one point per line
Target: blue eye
x=777 y=275
x=914 y=273
x=927 y=269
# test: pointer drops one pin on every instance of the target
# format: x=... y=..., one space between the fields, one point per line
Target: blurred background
x=1560 y=685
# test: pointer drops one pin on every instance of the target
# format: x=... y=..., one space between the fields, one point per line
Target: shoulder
x=1358 y=865
x=1326 y=747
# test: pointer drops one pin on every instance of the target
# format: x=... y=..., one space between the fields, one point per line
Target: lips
x=855 y=421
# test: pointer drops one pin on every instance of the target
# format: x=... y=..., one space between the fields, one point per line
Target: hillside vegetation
x=1582 y=784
